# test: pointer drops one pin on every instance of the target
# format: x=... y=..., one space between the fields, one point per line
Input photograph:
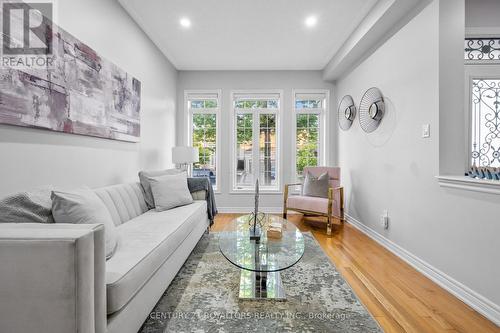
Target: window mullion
x=320 y=139
x=256 y=144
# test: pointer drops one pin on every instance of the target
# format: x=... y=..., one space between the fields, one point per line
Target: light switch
x=426 y=130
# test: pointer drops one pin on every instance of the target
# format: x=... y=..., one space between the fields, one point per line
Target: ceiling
x=248 y=34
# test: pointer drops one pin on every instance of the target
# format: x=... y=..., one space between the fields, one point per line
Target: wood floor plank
x=400 y=298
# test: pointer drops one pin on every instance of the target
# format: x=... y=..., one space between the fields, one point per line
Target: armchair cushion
x=334 y=173
x=312 y=204
x=316 y=186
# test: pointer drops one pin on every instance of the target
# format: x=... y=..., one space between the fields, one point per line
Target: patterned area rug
x=203 y=297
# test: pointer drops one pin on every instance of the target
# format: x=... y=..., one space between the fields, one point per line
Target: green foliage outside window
x=307 y=141
x=256 y=104
x=204 y=104
x=306 y=156
x=205 y=138
x=308 y=104
x=244 y=129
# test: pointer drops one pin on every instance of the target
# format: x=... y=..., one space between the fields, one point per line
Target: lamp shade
x=185 y=154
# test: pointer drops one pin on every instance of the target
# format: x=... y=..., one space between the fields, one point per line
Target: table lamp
x=185 y=156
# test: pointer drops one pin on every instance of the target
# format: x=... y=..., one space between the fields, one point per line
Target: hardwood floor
x=400 y=298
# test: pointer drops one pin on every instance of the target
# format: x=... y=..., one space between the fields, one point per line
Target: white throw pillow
x=170 y=191
x=83 y=206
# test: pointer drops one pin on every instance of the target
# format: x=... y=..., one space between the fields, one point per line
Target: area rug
x=203 y=297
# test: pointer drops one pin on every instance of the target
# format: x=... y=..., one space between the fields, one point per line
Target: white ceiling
x=248 y=34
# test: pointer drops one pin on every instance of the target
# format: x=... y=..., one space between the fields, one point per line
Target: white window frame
x=255 y=144
x=188 y=94
x=324 y=120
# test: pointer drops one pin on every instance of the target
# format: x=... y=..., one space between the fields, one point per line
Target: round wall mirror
x=375 y=110
x=346 y=112
x=371 y=110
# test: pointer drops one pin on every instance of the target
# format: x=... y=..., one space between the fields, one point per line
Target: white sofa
x=54 y=277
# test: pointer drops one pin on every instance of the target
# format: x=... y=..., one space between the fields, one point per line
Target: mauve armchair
x=330 y=207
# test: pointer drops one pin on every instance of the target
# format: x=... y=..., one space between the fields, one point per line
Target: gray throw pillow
x=83 y=206
x=170 y=191
x=28 y=207
x=146 y=186
x=316 y=187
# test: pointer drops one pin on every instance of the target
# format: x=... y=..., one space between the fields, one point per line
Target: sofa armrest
x=52 y=278
x=199 y=195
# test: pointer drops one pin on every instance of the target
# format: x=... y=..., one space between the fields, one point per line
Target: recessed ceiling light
x=185 y=22
x=311 y=21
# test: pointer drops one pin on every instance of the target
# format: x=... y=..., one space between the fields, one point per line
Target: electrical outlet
x=384 y=219
x=426 y=130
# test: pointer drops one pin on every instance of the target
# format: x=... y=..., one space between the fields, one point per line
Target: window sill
x=470 y=184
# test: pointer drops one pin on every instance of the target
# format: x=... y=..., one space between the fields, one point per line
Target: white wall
x=32 y=158
x=234 y=80
x=482 y=13
x=394 y=168
x=452 y=129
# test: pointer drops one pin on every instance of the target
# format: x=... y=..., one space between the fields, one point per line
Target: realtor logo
x=27 y=34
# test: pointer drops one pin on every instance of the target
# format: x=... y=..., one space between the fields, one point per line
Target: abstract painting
x=80 y=93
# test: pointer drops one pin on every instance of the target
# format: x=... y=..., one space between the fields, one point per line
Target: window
x=256 y=141
x=482 y=77
x=309 y=130
x=204 y=109
x=485 y=122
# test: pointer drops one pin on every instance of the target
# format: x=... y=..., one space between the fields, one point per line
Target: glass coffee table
x=261 y=262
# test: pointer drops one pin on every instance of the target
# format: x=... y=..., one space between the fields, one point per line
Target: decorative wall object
x=482 y=49
x=346 y=112
x=82 y=93
x=371 y=110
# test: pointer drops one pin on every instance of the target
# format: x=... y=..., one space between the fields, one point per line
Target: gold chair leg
x=342 y=212
x=329 y=226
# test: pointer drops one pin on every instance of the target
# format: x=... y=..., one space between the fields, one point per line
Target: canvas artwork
x=81 y=93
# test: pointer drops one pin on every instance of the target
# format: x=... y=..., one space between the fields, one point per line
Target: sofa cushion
x=313 y=204
x=146 y=242
x=123 y=201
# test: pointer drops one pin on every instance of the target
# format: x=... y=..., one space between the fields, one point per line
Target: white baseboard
x=242 y=210
x=476 y=301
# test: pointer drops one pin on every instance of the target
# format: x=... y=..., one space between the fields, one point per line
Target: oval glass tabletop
x=268 y=255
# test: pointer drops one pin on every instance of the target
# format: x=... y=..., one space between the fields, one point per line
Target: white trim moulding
x=248 y=210
x=470 y=184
